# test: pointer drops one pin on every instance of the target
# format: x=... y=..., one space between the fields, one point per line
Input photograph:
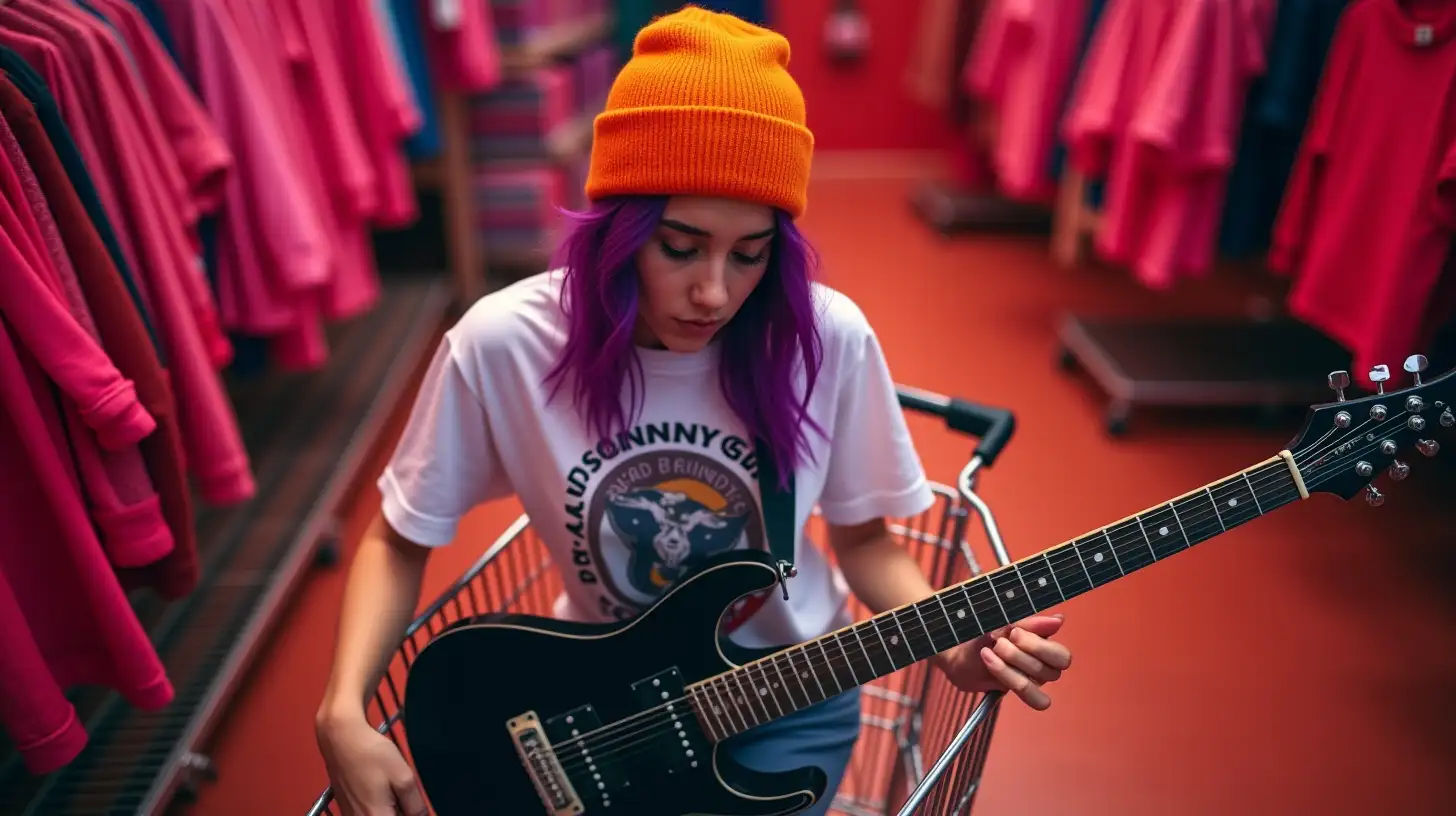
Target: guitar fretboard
x=809 y=673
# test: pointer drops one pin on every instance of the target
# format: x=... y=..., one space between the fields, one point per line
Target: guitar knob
x=1388 y=447
x=1378 y=413
x=1416 y=423
x=1415 y=405
x=1428 y=447
x=1379 y=375
x=1399 y=470
x=1364 y=468
x=1414 y=365
x=1343 y=419
x=1339 y=381
x=1373 y=497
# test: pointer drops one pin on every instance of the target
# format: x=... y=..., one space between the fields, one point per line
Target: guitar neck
x=811 y=672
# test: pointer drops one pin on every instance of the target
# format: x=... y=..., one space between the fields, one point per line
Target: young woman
x=616 y=397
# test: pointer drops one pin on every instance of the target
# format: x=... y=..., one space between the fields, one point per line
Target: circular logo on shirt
x=651 y=517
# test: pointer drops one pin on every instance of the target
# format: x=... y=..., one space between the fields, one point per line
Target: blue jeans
x=823 y=735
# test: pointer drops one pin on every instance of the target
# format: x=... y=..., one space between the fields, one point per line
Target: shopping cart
x=907 y=716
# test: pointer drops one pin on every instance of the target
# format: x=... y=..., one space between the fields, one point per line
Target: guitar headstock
x=1346 y=444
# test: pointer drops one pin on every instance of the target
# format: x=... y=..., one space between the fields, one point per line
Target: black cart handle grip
x=994 y=427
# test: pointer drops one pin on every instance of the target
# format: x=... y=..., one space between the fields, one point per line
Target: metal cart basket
x=907 y=716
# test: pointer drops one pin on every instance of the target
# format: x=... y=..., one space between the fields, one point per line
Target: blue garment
x=153 y=13
x=1059 y=150
x=822 y=735
x=33 y=87
x=405 y=20
x=1275 y=114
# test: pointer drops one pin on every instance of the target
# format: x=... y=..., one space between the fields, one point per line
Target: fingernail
x=1059 y=616
x=1015 y=631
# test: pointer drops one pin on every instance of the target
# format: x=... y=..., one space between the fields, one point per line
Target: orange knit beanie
x=705 y=106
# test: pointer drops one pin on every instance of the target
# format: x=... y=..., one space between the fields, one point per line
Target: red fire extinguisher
x=847 y=32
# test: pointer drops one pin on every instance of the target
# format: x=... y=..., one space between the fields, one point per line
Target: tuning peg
x=1447 y=418
x=1414 y=365
x=1374 y=497
x=1399 y=470
x=1428 y=447
x=1379 y=375
x=1339 y=381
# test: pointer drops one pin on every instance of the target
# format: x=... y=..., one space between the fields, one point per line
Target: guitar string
x=613 y=734
x=595 y=736
x=618 y=748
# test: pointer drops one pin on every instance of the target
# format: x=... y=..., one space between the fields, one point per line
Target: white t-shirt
x=623 y=521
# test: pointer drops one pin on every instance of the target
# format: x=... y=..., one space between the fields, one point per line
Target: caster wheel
x=1066 y=360
x=1117 y=421
x=327 y=554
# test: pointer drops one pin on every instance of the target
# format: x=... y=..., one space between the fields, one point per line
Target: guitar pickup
x=552 y=784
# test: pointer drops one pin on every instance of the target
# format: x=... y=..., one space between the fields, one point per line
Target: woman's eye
x=679 y=254
x=751 y=260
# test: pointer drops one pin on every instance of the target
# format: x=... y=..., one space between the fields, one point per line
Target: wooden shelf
x=560 y=40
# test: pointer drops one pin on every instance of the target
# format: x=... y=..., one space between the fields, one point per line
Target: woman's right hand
x=368 y=774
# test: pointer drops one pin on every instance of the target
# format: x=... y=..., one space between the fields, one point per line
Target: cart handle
x=993 y=426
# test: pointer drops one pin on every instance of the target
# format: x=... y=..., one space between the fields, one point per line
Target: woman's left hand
x=1020 y=658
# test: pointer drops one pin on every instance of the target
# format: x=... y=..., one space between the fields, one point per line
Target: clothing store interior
x=1141 y=271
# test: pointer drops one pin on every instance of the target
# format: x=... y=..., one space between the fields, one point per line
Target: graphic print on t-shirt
x=649 y=507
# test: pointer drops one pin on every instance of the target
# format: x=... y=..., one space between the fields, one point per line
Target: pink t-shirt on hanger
x=216 y=456
x=1164 y=218
x=122 y=500
x=461 y=45
x=1024 y=58
x=201 y=152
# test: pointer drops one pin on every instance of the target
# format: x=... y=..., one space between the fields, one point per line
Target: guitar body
x=492 y=696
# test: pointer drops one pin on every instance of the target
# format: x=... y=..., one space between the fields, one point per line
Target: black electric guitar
x=515 y=715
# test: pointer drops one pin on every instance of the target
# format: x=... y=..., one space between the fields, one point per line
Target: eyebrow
x=689 y=229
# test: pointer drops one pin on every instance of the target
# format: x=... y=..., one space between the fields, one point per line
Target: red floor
x=1301 y=665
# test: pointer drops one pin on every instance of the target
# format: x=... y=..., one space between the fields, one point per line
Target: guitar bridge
x=546 y=773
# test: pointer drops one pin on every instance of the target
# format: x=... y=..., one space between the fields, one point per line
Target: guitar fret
x=902 y=638
x=869 y=656
x=848 y=661
x=788 y=689
x=808 y=668
x=888 y=654
x=929 y=638
x=730 y=705
x=1042 y=584
x=1016 y=605
x=983 y=602
x=1112 y=547
x=1144 y=530
x=746 y=700
x=1211 y=500
x=1095 y=560
x=765 y=689
x=829 y=666
x=1072 y=576
x=708 y=713
x=1253 y=494
x=1167 y=536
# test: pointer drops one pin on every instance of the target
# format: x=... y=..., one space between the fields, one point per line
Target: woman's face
x=698 y=268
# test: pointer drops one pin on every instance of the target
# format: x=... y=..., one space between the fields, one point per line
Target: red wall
x=862 y=106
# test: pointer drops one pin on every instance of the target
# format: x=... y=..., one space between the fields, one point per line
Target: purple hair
x=763 y=346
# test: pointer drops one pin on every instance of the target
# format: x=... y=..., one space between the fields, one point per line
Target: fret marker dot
x=1162 y=531
x=961 y=613
x=1011 y=593
x=1097 y=557
x=894 y=640
x=1233 y=502
x=1041 y=582
x=762 y=692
